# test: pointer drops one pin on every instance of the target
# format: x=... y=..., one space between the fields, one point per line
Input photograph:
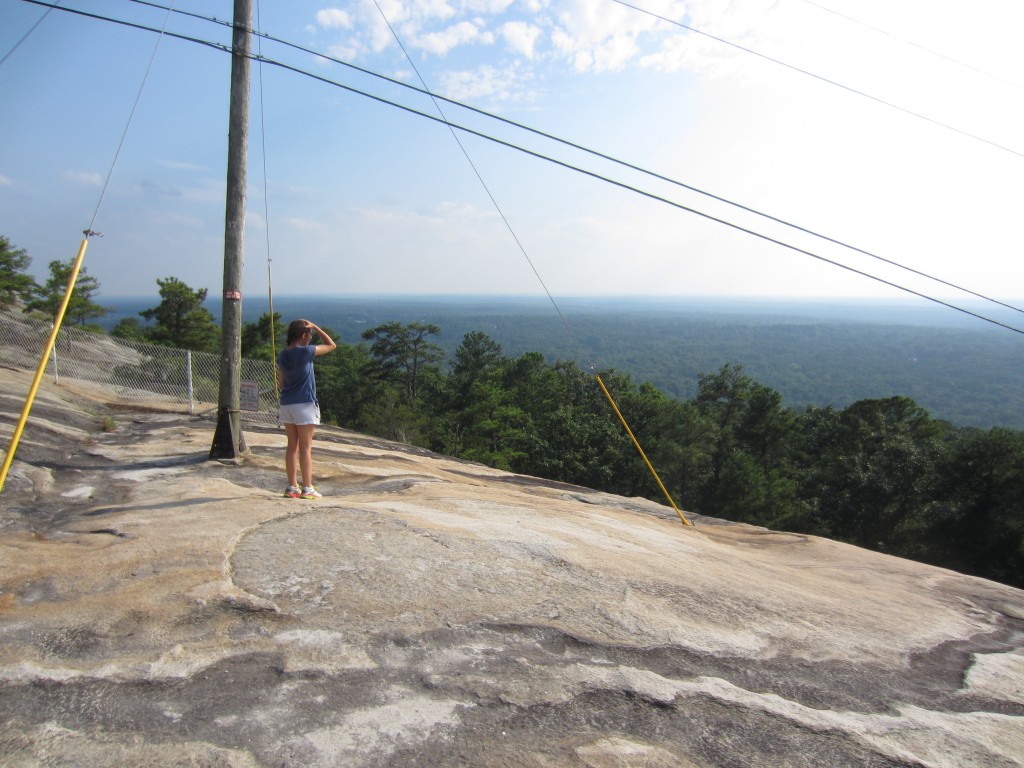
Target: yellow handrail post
x=16 y=437
x=640 y=450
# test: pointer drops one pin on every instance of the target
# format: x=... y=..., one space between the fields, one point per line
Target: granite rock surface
x=159 y=608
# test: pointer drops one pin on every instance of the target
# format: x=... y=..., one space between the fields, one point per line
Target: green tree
x=489 y=428
x=565 y=429
x=180 y=320
x=681 y=450
x=256 y=337
x=477 y=358
x=481 y=420
x=358 y=392
x=768 y=434
x=345 y=391
x=981 y=530
x=750 y=473
x=403 y=352
x=129 y=329
x=532 y=386
x=729 y=490
x=874 y=472
x=660 y=425
x=81 y=306
x=393 y=416
x=15 y=283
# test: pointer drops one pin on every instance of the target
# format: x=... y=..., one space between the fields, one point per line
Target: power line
x=437 y=97
x=25 y=36
x=133 y=25
x=561 y=163
x=483 y=183
x=914 y=45
x=823 y=79
x=630 y=188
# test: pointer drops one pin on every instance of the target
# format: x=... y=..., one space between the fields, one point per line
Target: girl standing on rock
x=300 y=412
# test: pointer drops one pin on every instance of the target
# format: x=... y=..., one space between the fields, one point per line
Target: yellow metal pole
x=640 y=450
x=16 y=437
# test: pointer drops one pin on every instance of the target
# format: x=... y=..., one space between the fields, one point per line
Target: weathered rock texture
x=157 y=608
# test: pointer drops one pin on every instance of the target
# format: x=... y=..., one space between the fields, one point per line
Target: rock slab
x=158 y=608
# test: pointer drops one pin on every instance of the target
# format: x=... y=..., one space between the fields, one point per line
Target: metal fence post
x=188 y=382
x=53 y=356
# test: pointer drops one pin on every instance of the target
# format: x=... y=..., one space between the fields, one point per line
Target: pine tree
x=180 y=319
x=81 y=307
x=14 y=282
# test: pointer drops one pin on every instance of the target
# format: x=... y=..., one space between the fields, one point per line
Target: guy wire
x=266 y=203
x=480 y=178
x=551 y=298
x=124 y=134
x=30 y=31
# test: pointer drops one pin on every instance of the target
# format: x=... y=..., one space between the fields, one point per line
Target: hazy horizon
x=869 y=310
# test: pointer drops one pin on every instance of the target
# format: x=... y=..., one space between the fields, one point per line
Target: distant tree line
x=880 y=473
x=965 y=374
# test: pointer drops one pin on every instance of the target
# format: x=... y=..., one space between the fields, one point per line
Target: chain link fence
x=130 y=373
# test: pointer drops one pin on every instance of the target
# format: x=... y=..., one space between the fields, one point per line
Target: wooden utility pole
x=227 y=439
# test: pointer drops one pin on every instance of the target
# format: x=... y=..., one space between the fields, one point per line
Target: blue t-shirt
x=299 y=384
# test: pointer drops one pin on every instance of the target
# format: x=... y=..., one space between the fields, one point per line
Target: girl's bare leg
x=291 y=453
x=304 y=437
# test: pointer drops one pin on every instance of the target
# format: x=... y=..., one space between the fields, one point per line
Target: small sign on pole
x=249 y=396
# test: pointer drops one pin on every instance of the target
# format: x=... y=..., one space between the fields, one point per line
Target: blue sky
x=360 y=197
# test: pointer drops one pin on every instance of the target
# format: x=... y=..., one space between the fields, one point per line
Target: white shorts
x=300 y=413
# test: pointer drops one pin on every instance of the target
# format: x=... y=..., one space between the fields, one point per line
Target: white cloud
x=428 y=9
x=434 y=26
x=347 y=51
x=463 y=33
x=179 y=165
x=84 y=178
x=599 y=37
x=464 y=211
x=4 y=181
x=589 y=37
x=333 y=18
x=520 y=37
x=381 y=36
x=704 y=57
x=410 y=19
x=719 y=37
x=486 y=83
x=492 y=7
